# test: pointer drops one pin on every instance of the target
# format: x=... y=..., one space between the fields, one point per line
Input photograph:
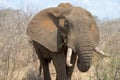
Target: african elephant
x=61 y=34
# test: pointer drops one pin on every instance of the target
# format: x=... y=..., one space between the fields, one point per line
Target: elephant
x=62 y=34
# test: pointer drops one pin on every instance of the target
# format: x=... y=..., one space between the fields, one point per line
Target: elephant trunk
x=84 y=61
x=84 y=51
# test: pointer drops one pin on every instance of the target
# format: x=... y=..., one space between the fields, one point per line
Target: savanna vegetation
x=19 y=62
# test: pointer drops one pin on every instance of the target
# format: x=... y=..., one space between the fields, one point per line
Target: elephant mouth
x=69 y=55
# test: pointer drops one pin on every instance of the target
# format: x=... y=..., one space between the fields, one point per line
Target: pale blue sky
x=101 y=8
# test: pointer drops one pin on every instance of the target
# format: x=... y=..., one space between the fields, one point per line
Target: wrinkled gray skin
x=55 y=29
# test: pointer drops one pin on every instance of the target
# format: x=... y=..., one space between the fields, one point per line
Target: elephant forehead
x=64 y=5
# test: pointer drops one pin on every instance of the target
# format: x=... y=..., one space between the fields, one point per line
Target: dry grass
x=18 y=61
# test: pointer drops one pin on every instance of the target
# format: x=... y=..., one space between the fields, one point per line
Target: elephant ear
x=95 y=32
x=44 y=28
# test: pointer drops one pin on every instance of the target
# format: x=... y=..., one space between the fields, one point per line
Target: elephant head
x=81 y=35
x=69 y=25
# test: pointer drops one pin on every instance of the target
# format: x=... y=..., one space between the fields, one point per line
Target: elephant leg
x=69 y=70
x=44 y=63
x=45 y=66
x=60 y=66
x=46 y=70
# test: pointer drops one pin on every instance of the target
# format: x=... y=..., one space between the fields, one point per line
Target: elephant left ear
x=95 y=32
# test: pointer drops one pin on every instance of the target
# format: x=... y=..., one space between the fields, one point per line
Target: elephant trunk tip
x=84 y=67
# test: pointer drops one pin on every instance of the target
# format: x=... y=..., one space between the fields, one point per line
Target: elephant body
x=61 y=34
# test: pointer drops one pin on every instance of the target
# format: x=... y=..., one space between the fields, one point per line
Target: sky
x=109 y=9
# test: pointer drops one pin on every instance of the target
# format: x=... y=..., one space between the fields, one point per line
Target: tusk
x=100 y=52
x=68 y=58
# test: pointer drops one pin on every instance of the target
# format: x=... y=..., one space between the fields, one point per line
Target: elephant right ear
x=43 y=28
